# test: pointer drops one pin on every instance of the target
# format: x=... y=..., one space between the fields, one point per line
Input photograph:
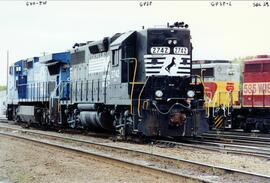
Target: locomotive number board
x=180 y=50
x=260 y=88
x=167 y=50
x=160 y=50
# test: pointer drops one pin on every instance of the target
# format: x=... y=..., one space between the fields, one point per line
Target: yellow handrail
x=139 y=98
x=133 y=81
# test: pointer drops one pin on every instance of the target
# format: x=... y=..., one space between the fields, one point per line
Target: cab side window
x=115 y=57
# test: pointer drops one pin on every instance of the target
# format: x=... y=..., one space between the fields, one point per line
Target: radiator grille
x=78 y=58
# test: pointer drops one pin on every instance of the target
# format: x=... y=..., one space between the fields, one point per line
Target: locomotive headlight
x=175 y=42
x=170 y=41
x=190 y=93
x=159 y=93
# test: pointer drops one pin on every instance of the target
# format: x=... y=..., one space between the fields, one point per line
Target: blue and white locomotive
x=137 y=82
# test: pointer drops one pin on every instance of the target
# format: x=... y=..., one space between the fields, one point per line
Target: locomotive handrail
x=224 y=107
x=55 y=89
x=229 y=102
x=165 y=113
x=133 y=80
x=221 y=106
x=139 y=98
x=208 y=104
x=210 y=98
x=105 y=82
x=198 y=76
x=54 y=95
x=214 y=105
x=65 y=83
x=224 y=110
x=33 y=91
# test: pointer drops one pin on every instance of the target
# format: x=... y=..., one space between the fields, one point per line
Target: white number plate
x=180 y=50
x=160 y=50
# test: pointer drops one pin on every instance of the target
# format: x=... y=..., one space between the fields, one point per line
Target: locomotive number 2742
x=160 y=50
x=180 y=50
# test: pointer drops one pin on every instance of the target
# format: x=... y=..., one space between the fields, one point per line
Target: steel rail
x=219 y=147
x=251 y=147
x=238 y=137
x=235 y=141
x=240 y=133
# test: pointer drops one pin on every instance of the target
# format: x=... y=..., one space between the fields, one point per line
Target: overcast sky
x=217 y=32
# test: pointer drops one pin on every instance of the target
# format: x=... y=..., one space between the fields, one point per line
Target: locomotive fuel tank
x=91 y=117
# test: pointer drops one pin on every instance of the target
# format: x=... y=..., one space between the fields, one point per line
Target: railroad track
x=226 y=148
x=233 y=142
x=259 y=144
x=229 y=142
x=107 y=158
x=239 y=137
x=147 y=161
x=240 y=133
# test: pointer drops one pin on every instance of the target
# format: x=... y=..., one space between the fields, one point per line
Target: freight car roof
x=259 y=59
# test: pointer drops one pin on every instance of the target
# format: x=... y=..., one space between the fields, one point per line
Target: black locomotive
x=137 y=82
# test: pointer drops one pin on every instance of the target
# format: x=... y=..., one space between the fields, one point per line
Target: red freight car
x=255 y=110
x=256 y=82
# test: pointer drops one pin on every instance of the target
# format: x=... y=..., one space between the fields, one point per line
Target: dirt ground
x=25 y=162
x=242 y=162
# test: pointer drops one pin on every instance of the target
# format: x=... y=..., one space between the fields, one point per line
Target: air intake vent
x=78 y=57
